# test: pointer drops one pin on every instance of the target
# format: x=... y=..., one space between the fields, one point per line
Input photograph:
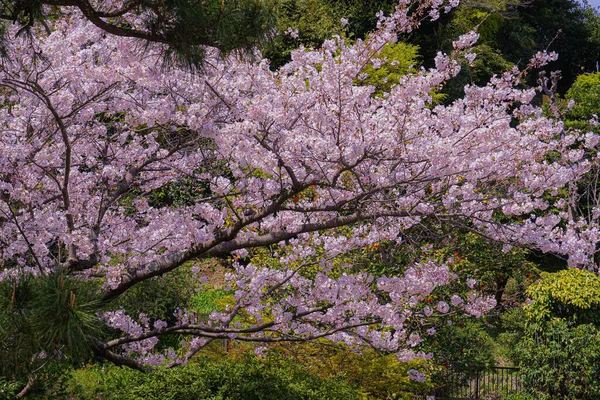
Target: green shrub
x=519 y=396
x=250 y=378
x=562 y=361
x=160 y=296
x=8 y=389
x=586 y=94
x=572 y=293
x=377 y=375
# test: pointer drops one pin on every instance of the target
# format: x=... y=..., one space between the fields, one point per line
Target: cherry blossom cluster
x=92 y=125
x=284 y=305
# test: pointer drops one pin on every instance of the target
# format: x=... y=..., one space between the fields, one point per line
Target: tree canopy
x=186 y=27
x=316 y=159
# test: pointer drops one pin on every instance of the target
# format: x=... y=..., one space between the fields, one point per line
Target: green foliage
x=516 y=29
x=571 y=293
x=45 y=319
x=512 y=329
x=555 y=338
x=519 y=396
x=319 y=20
x=63 y=314
x=93 y=381
x=208 y=300
x=486 y=14
x=383 y=376
x=488 y=62
x=564 y=26
x=399 y=59
x=226 y=24
x=184 y=192
x=489 y=16
x=159 y=297
x=497 y=271
x=246 y=379
x=25 y=12
x=502 y=274
x=469 y=255
x=378 y=375
x=586 y=94
x=461 y=348
x=8 y=389
x=361 y=14
x=561 y=361
x=315 y=20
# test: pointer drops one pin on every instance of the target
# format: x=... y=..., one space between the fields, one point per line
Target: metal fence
x=480 y=385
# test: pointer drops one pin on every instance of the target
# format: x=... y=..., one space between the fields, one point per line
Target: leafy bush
x=562 y=361
x=377 y=375
x=557 y=341
x=397 y=60
x=464 y=346
x=571 y=293
x=519 y=396
x=460 y=350
x=586 y=94
x=160 y=296
x=246 y=379
x=8 y=389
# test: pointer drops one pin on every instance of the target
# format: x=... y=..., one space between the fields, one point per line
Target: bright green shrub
x=586 y=94
x=398 y=59
x=571 y=293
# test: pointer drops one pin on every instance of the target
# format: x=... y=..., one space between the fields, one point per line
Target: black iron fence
x=494 y=383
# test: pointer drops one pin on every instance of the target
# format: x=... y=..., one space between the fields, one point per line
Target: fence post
x=477 y=384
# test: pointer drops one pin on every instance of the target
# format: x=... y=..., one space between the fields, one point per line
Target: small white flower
x=416 y=375
x=471 y=283
x=292 y=32
x=470 y=57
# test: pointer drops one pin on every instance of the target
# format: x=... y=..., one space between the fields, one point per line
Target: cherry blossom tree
x=92 y=124
x=186 y=27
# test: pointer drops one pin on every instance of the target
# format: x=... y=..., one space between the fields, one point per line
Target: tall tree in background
x=512 y=30
x=567 y=27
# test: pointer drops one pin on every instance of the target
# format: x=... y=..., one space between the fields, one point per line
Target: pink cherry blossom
x=92 y=126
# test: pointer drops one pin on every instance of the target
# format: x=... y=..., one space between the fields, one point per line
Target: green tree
x=513 y=30
x=570 y=294
x=564 y=26
x=562 y=361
